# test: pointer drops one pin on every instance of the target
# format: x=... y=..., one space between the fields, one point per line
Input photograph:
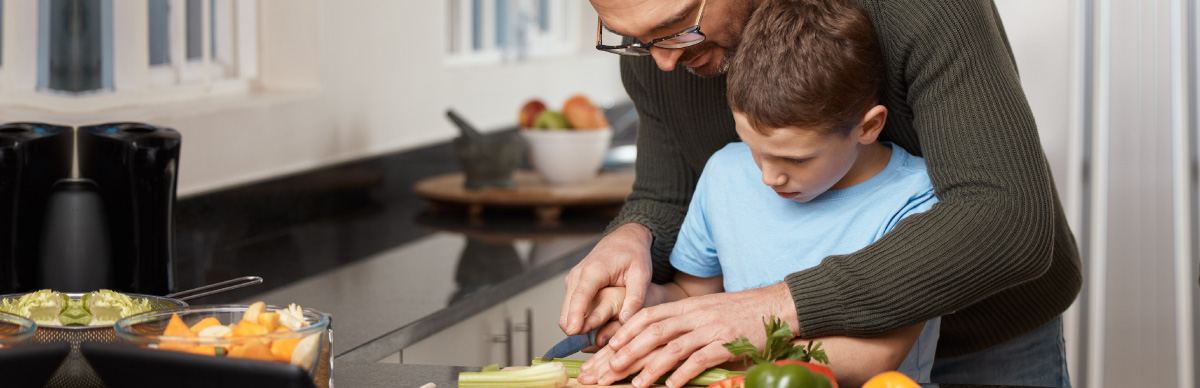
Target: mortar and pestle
x=487 y=160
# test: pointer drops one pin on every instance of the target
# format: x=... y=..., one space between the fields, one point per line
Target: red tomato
x=821 y=369
x=732 y=382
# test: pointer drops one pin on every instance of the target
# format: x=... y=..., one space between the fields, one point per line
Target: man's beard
x=729 y=49
x=722 y=69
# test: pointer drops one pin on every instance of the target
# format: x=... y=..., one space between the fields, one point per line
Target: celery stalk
x=547 y=375
x=706 y=378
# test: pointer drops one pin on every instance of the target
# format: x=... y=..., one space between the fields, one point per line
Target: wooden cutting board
x=608 y=188
x=572 y=383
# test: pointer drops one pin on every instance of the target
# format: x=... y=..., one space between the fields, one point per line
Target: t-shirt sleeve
x=695 y=251
x=918 y=203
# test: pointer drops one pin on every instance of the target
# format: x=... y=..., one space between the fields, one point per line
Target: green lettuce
x=106 y=306
x=43 y=306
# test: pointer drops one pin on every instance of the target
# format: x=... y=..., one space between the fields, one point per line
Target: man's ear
x=872 y=124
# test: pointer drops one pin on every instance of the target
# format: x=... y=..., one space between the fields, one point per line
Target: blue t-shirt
x=738 y=227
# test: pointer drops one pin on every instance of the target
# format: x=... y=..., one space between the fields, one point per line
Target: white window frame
x=232 y=70
x=561 y=38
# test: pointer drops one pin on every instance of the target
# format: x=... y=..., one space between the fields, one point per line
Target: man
x=994 y=257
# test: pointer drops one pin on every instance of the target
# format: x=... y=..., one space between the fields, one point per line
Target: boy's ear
x=872 y=124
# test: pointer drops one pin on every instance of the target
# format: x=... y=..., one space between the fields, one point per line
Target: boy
x=808 y=178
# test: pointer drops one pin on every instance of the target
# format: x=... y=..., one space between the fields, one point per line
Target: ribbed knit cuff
x=660 y=246
x=819 y=314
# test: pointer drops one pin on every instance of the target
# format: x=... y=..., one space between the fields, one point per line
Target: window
x=125 y=52
x=494 y=31
x=75 y=46
x=178 y=32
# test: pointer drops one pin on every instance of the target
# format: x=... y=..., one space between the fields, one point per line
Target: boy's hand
x=606 y=306
x=622 y=258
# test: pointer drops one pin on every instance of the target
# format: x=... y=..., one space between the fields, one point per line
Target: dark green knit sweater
x=995 y=257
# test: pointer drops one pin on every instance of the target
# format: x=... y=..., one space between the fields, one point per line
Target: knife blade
x=572 y=344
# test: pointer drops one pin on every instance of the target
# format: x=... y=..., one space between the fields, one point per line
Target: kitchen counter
x=414 y=376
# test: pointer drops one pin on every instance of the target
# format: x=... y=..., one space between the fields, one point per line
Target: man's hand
x=622 y=258
x=692 y=331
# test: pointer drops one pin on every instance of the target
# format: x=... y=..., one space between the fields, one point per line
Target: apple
x=549 y=119
x=529 y=112
x=582 y=114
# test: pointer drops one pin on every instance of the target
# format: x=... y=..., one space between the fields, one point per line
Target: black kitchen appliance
x=107 y=226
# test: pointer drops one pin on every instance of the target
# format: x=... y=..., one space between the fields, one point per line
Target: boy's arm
x=854 y=360
x=684 y=286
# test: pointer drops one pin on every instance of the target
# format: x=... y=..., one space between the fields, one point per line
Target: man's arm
x=993 y=228
x=664 y=181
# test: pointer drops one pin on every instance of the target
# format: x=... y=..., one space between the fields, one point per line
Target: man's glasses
x=688 y=37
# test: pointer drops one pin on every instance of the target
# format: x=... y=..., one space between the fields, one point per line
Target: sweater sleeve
x=664 y=182
x=993 y=226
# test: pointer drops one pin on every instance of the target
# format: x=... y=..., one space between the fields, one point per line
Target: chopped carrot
x=269 y=320
x=282 y=349
x=186 y=347
x=176 y=328
x=247 y=329
x=253 y=351
x=206 y=322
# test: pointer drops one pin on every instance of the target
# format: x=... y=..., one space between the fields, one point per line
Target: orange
x=891 y=379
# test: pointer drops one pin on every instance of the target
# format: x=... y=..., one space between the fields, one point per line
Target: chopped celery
x=706 y=378
x=547 y=375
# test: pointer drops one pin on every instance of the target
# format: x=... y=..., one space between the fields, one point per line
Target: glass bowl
x=15 y=330
x=145 y=330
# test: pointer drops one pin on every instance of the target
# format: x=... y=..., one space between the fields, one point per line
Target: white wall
x=348 y=79
x=1136 y=328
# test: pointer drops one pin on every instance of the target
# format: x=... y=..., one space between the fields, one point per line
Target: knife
x=572 y=344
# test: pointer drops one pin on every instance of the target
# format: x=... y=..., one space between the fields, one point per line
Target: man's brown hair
x=806 y=63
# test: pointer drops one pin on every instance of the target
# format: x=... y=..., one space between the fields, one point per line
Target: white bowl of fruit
x=568 y=146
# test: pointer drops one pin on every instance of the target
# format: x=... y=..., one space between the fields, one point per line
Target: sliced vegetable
x=248 y=329
x=205 y=323
x=75 y=314
x=107 y=306
x=284 y=348
x=709 y=376
x=42 y=306
x=217 y=331
x=253 y=351
x=176 y=328
x=269 y=321
x=292 y=317
x=306 y=351
x=548 y=375
x=252 y=312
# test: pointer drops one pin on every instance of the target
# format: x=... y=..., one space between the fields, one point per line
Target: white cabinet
x=482 y=339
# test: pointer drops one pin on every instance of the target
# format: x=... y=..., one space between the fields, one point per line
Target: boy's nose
x=665 y=58
x=772 y=178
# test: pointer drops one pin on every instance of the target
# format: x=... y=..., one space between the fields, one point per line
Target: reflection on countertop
x=354 y=241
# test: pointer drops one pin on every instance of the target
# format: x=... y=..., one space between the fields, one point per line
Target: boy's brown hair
x=806 y=63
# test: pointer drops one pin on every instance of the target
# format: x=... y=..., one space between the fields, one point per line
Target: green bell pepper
x=769 y=375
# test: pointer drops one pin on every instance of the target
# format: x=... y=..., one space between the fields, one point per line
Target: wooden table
x=530 y=190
